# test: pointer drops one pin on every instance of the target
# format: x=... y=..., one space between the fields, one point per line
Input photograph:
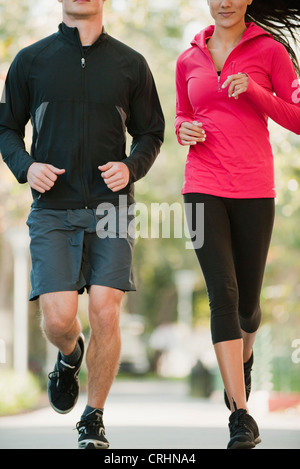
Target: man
x=82 y=89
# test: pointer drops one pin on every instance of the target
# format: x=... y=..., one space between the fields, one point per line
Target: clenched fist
x=42 y=177
x=191 y=133
x=115 y=174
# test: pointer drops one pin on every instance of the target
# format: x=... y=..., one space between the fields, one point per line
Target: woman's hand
x=191 y=133
x=238 y=84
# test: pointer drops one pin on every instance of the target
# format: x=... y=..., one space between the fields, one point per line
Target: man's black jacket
x=80 y=103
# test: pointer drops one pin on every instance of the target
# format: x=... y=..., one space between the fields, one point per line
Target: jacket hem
x=230 y=195
x=72 y=205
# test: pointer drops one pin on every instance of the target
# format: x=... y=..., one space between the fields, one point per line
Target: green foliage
x=14 y=26
x=17 y=392
x=158 y=29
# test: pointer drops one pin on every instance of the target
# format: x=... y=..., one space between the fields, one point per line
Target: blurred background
x=165 y=324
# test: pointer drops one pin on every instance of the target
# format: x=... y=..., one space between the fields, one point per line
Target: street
x=142 y=414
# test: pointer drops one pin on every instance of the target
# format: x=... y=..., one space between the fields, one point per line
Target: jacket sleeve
x=284 y=106
x=14 y=115
x=184 y=110
x=146 y=124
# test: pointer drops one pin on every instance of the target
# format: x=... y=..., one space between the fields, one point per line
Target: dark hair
x=281 y=18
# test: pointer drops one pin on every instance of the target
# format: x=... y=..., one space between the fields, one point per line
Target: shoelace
x=239 y=418
x=94 y=425
x=63 y=383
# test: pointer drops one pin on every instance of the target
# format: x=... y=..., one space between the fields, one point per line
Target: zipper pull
x=83 y=62
x=219 y=84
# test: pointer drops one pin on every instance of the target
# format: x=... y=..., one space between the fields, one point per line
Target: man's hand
x=191 y=133
x=115 y=174
x=42 y=177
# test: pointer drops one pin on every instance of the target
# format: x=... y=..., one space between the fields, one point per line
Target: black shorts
x=74 y=249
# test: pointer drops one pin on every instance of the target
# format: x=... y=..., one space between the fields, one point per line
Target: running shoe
x=247 y=376
x=92 y=432
x=63 y=384
x=244 y=433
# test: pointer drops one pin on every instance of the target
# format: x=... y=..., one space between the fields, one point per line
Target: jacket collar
x=252 y=31
x=72 y=34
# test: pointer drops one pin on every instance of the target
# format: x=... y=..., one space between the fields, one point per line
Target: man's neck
x=89 y=29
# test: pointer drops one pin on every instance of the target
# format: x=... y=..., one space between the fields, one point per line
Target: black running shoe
x=92 y=432
x=63 y=384
x=247 y=376
x=244 y=433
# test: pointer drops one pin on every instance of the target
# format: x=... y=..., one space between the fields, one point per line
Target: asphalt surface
x=151 y=415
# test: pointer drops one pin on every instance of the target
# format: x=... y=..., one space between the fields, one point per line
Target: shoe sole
x=92 y=444
x=62 y=412
x=246 y=444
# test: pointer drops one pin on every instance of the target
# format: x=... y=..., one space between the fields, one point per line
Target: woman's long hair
x=281 y=18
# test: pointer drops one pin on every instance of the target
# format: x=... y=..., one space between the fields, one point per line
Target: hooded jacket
x=236 y=160
x=80 y=102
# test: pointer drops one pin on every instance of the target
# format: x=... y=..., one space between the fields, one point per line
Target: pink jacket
x=236 y=159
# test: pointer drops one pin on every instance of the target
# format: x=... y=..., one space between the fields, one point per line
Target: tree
x=161 y=30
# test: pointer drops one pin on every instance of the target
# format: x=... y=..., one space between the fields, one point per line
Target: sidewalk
x=150 y=415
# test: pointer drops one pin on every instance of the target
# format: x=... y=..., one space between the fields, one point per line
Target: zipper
x=83 y=66
x=232 y=67
x=232 y=72
x=219 y=83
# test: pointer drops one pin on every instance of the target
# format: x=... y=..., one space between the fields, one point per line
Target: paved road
x=150 y=415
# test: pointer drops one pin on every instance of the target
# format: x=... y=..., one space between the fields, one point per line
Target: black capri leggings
x=237 y=235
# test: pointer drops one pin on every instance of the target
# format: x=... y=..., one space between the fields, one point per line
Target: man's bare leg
x=60 y=323
x=62 y=328
x=104 y=348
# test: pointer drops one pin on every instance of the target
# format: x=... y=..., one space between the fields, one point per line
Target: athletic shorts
x=74 y=249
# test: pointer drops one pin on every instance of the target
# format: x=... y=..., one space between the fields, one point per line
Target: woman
x=233 y=78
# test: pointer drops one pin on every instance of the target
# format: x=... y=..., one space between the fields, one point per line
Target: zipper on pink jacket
x=219 y=83
x=232 y=72
x=232 y=68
